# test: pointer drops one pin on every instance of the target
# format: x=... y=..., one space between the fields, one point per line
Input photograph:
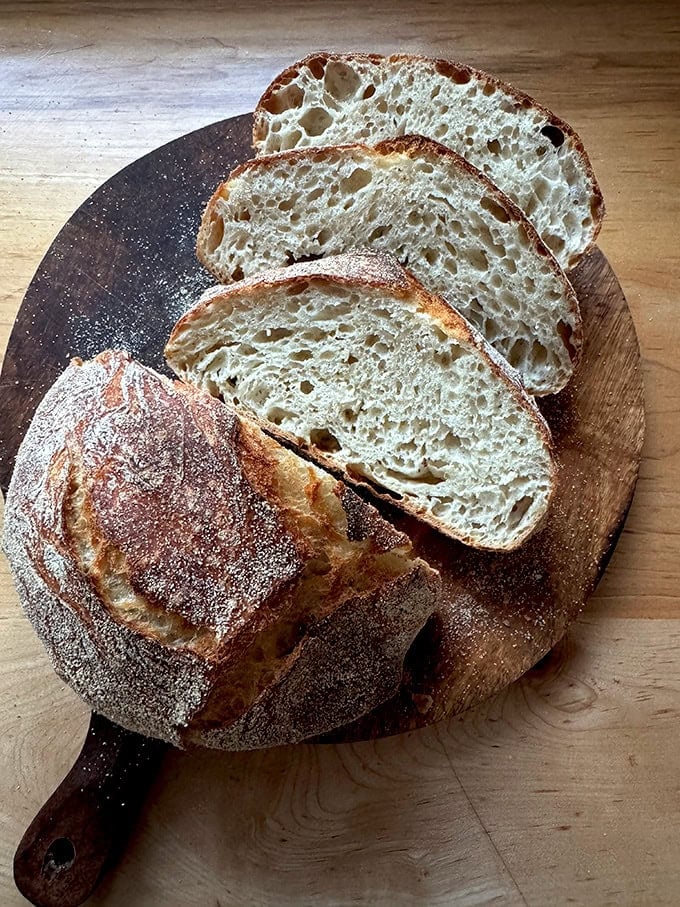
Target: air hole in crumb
x=566 y=333
x=292 y=259
x=496 y=210
x=539 y=354
x=357 y=179
x=237 y=273
x=296 y=289
x=316 y=121
x=276 y=415
x=351 y=359
x=519 y=511
x=426 y=477
x=324 y=440
x=494 y=146
x=301 y=355
x=216 y=233
x=316 y=66
x=340 y=80
x=555 y=243
x=369 y=91
x=289 y=97
x=517 y=352
x=457 y=74
x=291 y=140
x=477 y=258
x=491 y=329
x=555 y=135
x=306 y=387
x=542 y=189
x=379 y=231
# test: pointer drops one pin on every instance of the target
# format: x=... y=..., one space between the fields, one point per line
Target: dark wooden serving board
x=123 y=269
x=119 y=274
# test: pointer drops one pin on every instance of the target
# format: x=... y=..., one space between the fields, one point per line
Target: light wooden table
x=566 y=787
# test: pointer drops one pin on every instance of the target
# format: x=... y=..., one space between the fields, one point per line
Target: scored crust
x=188 y=575
x=359 y=269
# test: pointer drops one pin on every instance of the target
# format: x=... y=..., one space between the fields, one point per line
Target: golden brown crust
x=360 y=269
x=169 y=575
x=457 y=72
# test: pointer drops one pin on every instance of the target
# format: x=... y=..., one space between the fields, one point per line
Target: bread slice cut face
x=351 y=359
x=192 y=579
x=460 y=236
x=531 y=154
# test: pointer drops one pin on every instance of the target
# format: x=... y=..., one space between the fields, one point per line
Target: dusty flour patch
x=142 y=328
x=143 y=273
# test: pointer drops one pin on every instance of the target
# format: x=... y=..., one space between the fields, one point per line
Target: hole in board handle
x=60 y=856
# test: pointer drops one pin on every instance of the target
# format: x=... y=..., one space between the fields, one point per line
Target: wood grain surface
x=562 y=789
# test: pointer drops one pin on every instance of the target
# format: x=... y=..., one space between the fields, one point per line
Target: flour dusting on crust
x=168 y=577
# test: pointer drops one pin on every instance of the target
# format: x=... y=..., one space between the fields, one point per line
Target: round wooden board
x=123 y=269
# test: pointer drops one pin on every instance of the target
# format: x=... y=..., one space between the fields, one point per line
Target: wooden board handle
x=83 y=827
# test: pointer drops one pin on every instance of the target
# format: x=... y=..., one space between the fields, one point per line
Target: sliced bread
x=531 y=154
x=353 y=360
x=457 y=232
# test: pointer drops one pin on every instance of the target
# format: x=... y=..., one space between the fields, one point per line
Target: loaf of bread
x=532 y=155
x=374 y=376
x=420 y=201
x=194 y=581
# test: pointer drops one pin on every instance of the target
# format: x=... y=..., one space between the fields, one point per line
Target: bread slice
x=192 y=579
x=532 y=155
x=353 y=359
x=459 y=235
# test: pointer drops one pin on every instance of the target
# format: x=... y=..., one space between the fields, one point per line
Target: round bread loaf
x=193 y=580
